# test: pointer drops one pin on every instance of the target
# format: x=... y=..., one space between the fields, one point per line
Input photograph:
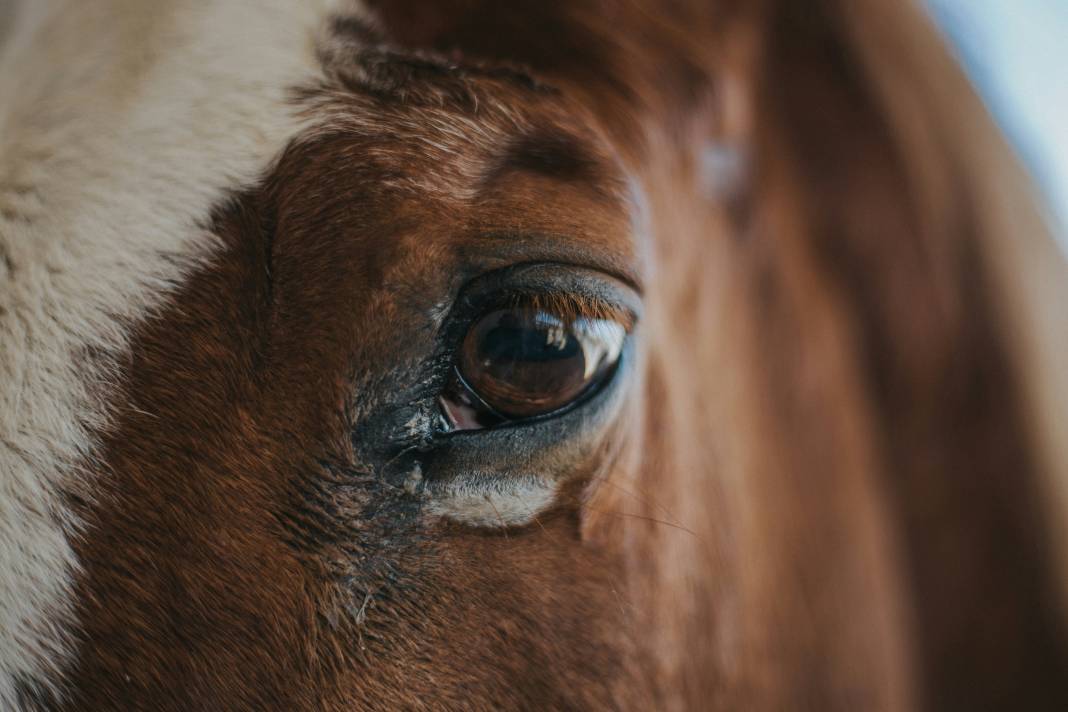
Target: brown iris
x=524 y=361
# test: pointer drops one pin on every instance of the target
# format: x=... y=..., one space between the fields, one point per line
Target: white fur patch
x=122 y=123
x=491 y=501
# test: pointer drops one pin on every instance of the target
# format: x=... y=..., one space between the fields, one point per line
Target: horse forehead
x=122 y=124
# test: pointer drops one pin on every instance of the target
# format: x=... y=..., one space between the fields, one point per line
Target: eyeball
x=523 y=362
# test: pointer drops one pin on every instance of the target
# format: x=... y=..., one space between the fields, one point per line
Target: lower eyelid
x=486 y=500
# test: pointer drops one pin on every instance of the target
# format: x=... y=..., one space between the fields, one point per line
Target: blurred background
x=1017 y=54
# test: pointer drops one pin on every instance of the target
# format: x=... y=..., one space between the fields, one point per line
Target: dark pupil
x=530 y=356
x=525 y=362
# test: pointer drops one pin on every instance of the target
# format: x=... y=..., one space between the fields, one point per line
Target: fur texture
x=235 y=239
x=121 y=125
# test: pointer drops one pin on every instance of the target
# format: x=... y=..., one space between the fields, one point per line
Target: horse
x=584 y=354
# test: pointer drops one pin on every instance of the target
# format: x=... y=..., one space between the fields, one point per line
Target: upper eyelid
x=559 y=250
x=569 y=306
x=569 y=285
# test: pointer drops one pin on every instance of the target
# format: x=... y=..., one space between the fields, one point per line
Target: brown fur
x=823 y=496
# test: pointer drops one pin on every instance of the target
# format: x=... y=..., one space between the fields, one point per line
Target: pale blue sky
x=1017 y=53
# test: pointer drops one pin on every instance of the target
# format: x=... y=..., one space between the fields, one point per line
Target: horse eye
x=522 y=362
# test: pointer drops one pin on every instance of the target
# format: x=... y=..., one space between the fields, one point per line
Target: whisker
x=619 y=600
x=680 y=527
x=643 y=497
x=504 y=527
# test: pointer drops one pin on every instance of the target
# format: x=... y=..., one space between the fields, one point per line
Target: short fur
x=121 y=125
x=835 y=480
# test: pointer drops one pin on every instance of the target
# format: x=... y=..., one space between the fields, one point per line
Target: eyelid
x=571 y=307
x=557 y=284
x=561 y=251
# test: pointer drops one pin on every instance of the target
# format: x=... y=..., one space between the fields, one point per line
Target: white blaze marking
x=122 y=124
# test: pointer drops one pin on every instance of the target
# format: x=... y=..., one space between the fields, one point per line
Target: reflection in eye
x=522 y=362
